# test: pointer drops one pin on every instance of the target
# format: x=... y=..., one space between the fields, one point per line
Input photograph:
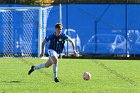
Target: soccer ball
x=86 y=76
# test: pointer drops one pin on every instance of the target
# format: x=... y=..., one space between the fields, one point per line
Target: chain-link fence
x=22 y=30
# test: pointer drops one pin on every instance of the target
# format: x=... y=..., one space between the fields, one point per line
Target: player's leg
x=42 y=65
x=47 y=64
x=54 y=60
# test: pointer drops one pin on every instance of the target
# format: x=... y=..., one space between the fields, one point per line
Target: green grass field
x=108 y=76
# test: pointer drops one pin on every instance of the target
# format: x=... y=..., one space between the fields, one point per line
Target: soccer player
x=56 y=46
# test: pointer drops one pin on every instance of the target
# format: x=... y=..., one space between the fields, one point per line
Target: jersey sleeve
x=66 y=37
x=48 y=38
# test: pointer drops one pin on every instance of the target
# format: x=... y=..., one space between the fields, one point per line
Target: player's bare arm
x=73 y=46
x=42 y=47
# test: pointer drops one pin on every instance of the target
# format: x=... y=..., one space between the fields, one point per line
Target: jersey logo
x=60 y=39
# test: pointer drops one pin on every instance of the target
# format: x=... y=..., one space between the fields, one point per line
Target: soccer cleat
x=56 y=80
x=31 y=70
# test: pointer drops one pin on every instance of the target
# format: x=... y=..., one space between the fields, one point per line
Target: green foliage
x=97 y=1
x=71 y=1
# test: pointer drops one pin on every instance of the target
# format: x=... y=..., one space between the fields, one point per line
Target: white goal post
x=22 y=30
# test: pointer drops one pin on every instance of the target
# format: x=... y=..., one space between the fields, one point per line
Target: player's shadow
x=13 y=81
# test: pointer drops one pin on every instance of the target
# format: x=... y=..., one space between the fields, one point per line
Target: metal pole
x=60 y=13
x=67 y=24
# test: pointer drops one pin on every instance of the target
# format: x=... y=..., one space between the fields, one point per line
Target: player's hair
x=58 y=25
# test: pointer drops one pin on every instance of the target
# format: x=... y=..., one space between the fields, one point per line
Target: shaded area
x=13 y=81
x=49 y=2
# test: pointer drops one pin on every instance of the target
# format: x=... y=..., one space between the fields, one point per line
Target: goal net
x=22 y=30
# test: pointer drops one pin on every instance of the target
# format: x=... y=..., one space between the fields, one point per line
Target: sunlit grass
x=108 y=76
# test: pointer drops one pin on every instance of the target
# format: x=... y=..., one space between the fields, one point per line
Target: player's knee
x=47 y=65
x=55 y=60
